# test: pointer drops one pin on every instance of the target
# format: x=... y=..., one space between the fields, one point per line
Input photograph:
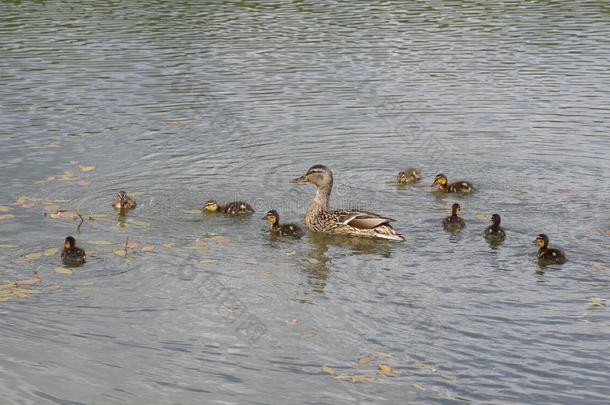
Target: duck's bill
x=299 y=180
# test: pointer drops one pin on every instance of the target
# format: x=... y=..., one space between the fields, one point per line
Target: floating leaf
x=131 y=245
x=68 y=175
x=168 y=245
x=222 y=240
x=356 y=377
x=601 y=267
x=120 y=252
x=84 y=168
x=424 y=366
x=101 y=242
x=521 y=196
x=8 y=246
x=53 y=286
x=192 y=211
x=291 y=253
x=313 y=260
x=6 y=216
x=306 y=335
x=33 y=256
x=4 y=208
x=138 y=222
x=199 y=244
x=384 y=354
x=64 y=270
x=5 y=296
x=482 y=217
x=430 y=189
x=130 y=259
x=448 y=376
x=148 y=248
x=53 y=144
x=268 y=274
x=419 y=386
x=28 y=281
x=208 y=261
x=386 y=370
x=329 y=370
x=52 y=251
x=364 y=360
x=597 y=302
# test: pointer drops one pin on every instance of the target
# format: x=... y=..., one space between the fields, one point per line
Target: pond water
x=181 y=102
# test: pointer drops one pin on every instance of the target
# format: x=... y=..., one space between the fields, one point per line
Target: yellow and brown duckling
x=72 y=255
x=123 y=202
x=547 y=255
x=494 y=232
x=278 y=229
x=457 y=187
x=454 y=222
x=231 y=208
x=408 y=176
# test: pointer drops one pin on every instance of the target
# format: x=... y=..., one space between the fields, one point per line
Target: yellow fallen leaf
x=28 y=281
x=33 y=256
x=5 y=296
x=100 y=242
x=148 y=248
x=8 y=246
x=356 y=377
x=384 y=354
x=419 y=386
x=84 y=168
x=448 y=376
x=4 y=208
x=23 y=292
x=52 y=251
x=168 y=245
x=68 y=175
x=482 y=217
x=386 y=370
x=364 y=360
x=313 y=260
x=64 y=270
x=597 y=302
x=268 y=274
x=329 y=370
x=53 y=286
x=306 y=335
x=6 y=216
x=208 y=261
x=130 y=259
x=120 y=252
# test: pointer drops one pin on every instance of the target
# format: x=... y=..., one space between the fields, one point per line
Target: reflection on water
x=181 y=102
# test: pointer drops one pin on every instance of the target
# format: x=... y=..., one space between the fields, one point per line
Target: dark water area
x=182 y=102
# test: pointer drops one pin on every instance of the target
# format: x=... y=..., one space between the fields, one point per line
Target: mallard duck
x=457 y=187
x=408 y=176
x=282 y=229
x=494 y=232
x=232 y=208
x=123 y=202
x=547 y=255
x=454 y=222
x=319 y=218
x=72 y=255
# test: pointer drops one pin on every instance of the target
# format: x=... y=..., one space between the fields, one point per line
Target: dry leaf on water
x=148 y=248
x=597 y=302
x=52 y=251
x=100 y=242
x=84 y=168
x=386 y=370
x=120 y=252
x=33 y=256
x=4 y=208
x=601 y=267
x=449 y=376
x=6 y=216
x=356 y=377
x=168 y=245
x=384 y=354
x=364 y=360
x=53 y=287
x=329 y=370
x=64 y=270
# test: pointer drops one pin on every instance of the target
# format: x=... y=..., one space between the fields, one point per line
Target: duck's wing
x=361 y=219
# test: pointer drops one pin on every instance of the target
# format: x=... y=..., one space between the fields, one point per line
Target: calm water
x=180 y=102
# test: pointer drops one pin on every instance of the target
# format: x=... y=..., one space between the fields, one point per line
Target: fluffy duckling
x=278 y=229
x=547 y=255
x=123 y=202
x=494 y=232
x=454 y=222
x=72 y=255
x=457 y=187
x=408 y=176
x=232 y=208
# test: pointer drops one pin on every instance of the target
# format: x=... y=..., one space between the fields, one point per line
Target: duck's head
x=121 y=199
x=542 y=240
x=211 y=206
x=440 y=179
x=272 y=216
x=455 y=209
x=69 y=242
x=495 y=219
x=319 y=175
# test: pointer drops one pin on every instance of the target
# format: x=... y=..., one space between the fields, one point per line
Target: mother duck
x=319 y=218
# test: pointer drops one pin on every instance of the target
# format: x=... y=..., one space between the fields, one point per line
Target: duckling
x=547 y=255
x=72 y=255
x=453 y=222
x=494 y=232
x=408 y=176
x=457 y=187
x=123 y=202
x=278 y=229
x=232 y=208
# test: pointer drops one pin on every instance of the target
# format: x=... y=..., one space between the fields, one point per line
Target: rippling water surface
x=180 y=102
